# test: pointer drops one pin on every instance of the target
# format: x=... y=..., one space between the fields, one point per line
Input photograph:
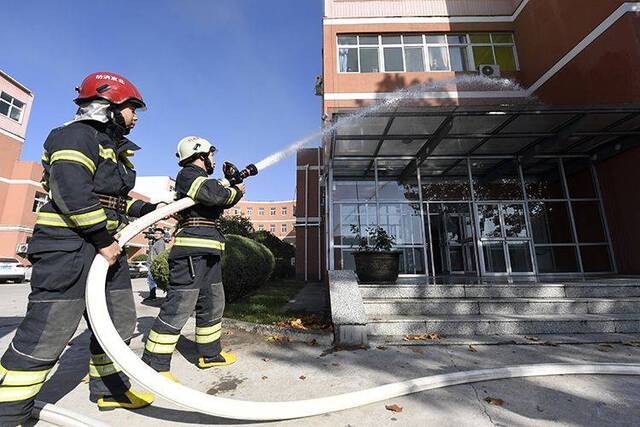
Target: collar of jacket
x=197 y=168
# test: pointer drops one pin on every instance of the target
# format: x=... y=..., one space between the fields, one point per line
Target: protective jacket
x=83 y=162
x=212 y=199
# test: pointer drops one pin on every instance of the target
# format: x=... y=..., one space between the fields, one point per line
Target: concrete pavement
x=291 y=371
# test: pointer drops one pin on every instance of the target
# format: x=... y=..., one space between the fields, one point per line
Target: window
x=11 y=107
x=283 y=211
x=261 y=211
x=283 y=228
x=249 y=211
x=272 y=228
x=39 y=201
x=261 y=228
x=237 y=211
x=373 y=53
x=272 y=211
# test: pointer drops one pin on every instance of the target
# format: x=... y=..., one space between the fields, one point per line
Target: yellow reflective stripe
x=89 y=218
x=112 y=224
x=153 y=347
x=163 y=338
x=22 y=378
x=207 y=330
x=208 y=334
x=53 y=219
x=108 y=153
x=99 y=359
x=45 y=156
x=16 y=394
x=199 y=243
x=74 y=156
x=97 y=371
x=130 y=203
x=195 y=186
x=234 y=192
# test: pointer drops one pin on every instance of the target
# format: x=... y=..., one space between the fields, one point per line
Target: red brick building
x=491 y=177
x=277 y=217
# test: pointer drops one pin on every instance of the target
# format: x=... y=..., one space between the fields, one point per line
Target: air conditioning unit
x=21 y=248
x=489 y=70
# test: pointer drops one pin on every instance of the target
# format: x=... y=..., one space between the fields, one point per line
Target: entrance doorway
x=504 y=239
x=452 y=238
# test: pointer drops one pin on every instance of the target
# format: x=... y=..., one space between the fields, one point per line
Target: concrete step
x=465 y=325
x=506 y=306
x=545 y=290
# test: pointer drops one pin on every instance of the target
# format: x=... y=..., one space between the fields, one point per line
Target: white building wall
x=156 y=188
x=384 y=8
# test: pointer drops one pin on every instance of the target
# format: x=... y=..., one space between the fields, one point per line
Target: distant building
x=277 y=217
x=156 y=188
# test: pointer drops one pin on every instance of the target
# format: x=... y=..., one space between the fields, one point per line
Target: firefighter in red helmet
x=88 y=172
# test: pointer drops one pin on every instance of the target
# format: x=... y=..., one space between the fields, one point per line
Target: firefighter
x=88 y=172
x=195 y=276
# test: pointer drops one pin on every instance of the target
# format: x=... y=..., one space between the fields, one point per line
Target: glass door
x=452 y=238
x=504 y=239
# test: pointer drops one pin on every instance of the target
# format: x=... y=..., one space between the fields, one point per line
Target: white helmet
x=192 y=146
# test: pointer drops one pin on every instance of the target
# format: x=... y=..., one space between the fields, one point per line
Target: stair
x=503 y=309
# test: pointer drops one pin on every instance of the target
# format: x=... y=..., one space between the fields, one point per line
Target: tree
x=236 y=224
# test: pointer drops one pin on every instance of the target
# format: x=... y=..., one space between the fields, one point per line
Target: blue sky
x=237 y=72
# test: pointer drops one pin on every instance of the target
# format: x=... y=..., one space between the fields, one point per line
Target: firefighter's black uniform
x=195 y=278
x=88 y=171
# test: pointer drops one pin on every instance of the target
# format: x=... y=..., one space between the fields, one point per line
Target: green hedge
x=246 y=265
x=139 y=257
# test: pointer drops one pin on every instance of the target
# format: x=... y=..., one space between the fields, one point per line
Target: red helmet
x=109 y=86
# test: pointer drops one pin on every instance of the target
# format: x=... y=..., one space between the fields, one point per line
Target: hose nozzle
x=235 y=176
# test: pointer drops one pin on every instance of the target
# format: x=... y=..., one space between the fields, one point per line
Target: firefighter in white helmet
x=195 y=278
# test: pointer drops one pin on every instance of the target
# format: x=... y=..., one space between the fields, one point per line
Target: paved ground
x=267 y=371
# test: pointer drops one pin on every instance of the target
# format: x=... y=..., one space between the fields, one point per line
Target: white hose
x=191 y=399
x=63 y=417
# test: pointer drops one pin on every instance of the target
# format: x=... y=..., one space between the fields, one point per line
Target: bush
x=282 y=251
x=283 y=269
x=246 y=265
x=139 y=257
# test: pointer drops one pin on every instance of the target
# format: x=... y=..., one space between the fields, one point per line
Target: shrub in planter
x=139 y=257
x=375 y=261
x=246 y=265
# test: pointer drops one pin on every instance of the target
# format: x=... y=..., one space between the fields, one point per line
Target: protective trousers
x=195 y=282
x=56 y=306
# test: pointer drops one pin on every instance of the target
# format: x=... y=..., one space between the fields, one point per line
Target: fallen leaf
x=531 y=338
x=278 y=339
x=550 y=343
x=423 y=337
x=302 y=377
x=229 y=333
x=335 y=364
x=472 y=349
x=264 y=377
x=313 y=342
x=297 y=324
x=494 y=401
x=603 y=349
x=632 y=343
x=266 y=359
x=381 y=347
x=606 y=345
x=393 y=408
x=417 y=350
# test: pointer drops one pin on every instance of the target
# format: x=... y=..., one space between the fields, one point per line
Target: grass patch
x=265 y=305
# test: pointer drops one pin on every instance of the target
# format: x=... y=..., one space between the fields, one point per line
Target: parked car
x=138 y=269
x=11 y=269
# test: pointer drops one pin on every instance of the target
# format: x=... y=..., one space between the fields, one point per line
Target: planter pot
x=377 y=266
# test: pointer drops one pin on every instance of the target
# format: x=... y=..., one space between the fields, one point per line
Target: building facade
x=493 y=137
x=277 y=217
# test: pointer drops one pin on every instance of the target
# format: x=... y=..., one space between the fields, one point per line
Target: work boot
x=222 y=359
x=152 y=295
x=168 y=375
x=132 y=399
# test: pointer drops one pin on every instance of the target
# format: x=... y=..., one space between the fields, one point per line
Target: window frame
x=446 y=45
x=272 y=211
x=12 y=106
x=283 y=228
x=260 y=211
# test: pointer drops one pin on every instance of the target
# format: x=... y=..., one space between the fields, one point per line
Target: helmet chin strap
x=207 y=164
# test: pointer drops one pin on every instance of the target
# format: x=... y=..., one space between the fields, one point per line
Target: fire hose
x=188 y=398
